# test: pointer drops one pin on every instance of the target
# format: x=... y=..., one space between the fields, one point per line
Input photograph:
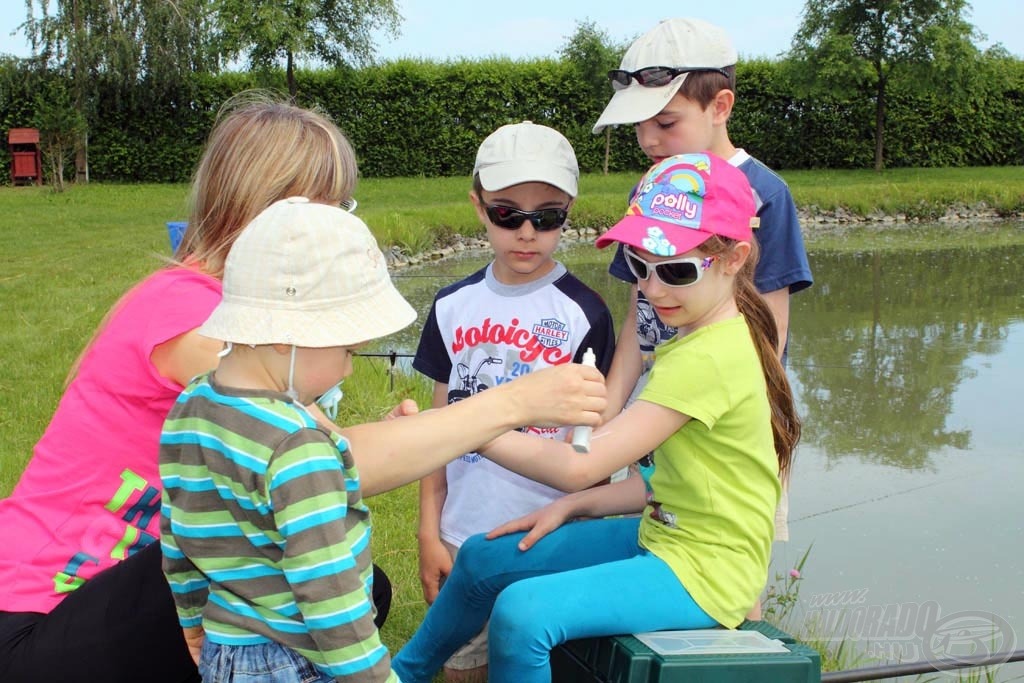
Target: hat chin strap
x=290 y=392
x=226 y=350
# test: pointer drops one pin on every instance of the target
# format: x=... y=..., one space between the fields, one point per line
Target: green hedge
x=419 y=118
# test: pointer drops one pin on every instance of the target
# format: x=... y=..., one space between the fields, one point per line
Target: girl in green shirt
x=717 y=410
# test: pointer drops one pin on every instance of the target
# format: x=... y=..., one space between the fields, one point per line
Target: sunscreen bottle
x=581 y=435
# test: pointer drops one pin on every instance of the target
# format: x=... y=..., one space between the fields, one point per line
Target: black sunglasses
x=654 y=76
x=542 y=219
x=681 y=272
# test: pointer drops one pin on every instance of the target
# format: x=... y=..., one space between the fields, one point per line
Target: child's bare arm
x=778 y=301
x=435 y=560
x=620 y=498
x=194 y=637
x=626 y=363
x=632 y=434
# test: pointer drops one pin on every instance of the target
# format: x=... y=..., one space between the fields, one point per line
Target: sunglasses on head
x=542 y=219
x=680 y=272
x=654 y=76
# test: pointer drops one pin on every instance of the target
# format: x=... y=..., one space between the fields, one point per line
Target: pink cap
x=684 y=200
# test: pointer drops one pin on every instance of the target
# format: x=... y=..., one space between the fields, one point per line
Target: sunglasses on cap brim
x=680 y=272
x=655 y=76
x=511 y=218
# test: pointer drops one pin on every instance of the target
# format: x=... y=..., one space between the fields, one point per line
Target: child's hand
x=404 y=409
x=435 y=566
x=194 y=637
x=569 y=394
x=538 y=523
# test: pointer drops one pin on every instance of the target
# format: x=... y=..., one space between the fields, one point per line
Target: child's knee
x=483 y=558
x=518 y=625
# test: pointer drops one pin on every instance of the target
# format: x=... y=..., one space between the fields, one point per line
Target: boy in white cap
x=677 y=86
x=522 y=312
x=264 y=531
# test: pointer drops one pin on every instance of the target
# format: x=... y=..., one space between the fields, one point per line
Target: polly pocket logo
x=674 y=192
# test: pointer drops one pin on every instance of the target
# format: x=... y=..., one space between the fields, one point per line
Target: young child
x=265 y=534
x=686 y=109
x=698 y=555
x=522 y=312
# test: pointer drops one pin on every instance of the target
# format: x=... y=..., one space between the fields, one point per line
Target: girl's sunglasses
x=680 y=272
x=542 y=219
x=654 y=76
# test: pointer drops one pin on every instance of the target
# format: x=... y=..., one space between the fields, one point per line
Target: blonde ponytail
x=765 y=334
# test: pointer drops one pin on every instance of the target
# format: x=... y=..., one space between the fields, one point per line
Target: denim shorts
x=264 y=663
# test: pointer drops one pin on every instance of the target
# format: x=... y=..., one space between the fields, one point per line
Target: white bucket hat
x=527 y=152
x=675 y=43
x=309 y=275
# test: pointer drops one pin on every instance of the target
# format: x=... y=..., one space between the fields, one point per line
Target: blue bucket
x=176 y=230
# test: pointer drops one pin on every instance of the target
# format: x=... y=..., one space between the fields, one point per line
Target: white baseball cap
x=524 y=153
x=306 y=274
x=675 y=43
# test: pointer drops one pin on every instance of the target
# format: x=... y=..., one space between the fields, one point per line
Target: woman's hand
x=568 y=394
x=538 y=523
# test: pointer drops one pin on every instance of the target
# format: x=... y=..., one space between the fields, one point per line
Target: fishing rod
x=873 y=673
x=392 y=357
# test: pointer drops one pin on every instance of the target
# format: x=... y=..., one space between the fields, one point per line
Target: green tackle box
x=624 y=659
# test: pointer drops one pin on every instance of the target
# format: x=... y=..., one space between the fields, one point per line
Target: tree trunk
x=82 y=143
x=292 y=88
x=879 y=123
x=82 y=158
x=607 y=146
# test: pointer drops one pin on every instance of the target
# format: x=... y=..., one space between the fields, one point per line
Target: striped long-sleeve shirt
x=264 y=531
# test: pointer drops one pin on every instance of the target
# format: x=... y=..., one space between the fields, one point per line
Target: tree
x=333 y=31
x=856 y=47
x=60 y=127
x=593 y=53
x=84 y=40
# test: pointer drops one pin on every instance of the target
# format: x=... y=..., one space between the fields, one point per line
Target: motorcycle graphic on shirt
x=471 y=383
x=650 y=330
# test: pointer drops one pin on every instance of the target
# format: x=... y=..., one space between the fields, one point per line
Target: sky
x=522 y=29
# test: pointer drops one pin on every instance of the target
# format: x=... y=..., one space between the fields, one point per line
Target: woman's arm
x=628 y=437
x=390 y=454
x=183 y=357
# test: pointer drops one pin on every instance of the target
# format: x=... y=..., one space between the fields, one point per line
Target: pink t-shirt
x=90 y=495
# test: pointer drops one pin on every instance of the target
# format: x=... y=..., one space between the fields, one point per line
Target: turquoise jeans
x=583 y=580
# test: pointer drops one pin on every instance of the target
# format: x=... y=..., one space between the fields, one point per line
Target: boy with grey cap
x=264 y=530
x=522 y=312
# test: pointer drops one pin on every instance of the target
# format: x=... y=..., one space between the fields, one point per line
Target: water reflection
x=881 y=341
x=907 y=364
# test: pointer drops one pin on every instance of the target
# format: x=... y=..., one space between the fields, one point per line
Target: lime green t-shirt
x=715 y=484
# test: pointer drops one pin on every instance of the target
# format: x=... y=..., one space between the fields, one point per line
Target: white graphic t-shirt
x=481 y=333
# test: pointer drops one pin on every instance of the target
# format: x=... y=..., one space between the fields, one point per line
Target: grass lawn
x=67 y=257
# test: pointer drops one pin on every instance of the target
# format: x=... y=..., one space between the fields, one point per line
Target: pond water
x=908 y=364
